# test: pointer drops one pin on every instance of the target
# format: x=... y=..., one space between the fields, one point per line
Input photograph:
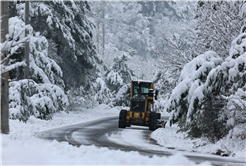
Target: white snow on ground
x=22 y=147
x=133 y=136
x=169 y=138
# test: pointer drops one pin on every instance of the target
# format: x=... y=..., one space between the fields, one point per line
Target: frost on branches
x=218 y=23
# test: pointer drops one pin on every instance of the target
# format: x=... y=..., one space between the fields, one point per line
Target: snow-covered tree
x=174 y=10
x=178 y=55
x=230 y=80
x=64 y=23
x=119 y=74
x=213 y=103
x=126 y=28
x=13 y=44
x=218 y=23
x=102 y=93
x=122 y=97
x=118 y=79
x=39 y=96
x=190 y=98
x=27 y=98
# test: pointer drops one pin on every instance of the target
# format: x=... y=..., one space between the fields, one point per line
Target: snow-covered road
x=105 y=133
x=128 y=146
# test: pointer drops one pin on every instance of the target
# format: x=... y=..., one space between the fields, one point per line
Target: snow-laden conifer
x=65 y=25
x=122 y=97
x=15 y=40
x=41 y=95
x=188 y=97
x=230 y=80
x=27 y=98
x=118 y=80
x=119 y=74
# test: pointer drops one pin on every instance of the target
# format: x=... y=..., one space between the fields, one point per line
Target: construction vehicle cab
x=141 y=107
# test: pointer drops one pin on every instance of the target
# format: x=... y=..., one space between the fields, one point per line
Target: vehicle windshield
x=144 y=88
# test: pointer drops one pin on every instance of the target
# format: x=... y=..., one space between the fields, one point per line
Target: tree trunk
x=4 y=79
x=98 y=28
x=27 y=43
x=103 y=27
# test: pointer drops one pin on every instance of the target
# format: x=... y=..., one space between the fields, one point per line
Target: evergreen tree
x=38 y=96
x=65 y=24
x=119 y=74
x=190 y=99
x=230 y=80
x=212 y=104
x=118 y=79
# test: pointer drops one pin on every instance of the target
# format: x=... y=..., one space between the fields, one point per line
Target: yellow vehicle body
x=141 y=108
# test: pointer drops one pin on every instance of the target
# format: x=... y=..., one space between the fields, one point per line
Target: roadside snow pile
x=22 y=147
x=169 y=138
x=39 y=152
x=20 y=130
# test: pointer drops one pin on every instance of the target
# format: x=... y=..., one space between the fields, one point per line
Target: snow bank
x=39 y=152
x=169 y=138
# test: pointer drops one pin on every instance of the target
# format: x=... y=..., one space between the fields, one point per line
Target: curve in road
x=97 y=133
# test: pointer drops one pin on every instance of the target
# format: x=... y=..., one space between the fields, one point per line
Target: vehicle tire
x=158 y=115
x=122 y=119
x=152 y=121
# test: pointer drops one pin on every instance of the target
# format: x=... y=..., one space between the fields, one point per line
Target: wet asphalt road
x=96 y=132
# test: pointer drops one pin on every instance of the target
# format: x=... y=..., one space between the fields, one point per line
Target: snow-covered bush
x=164 y=83
x=189 y=98
x=103 y=93
x=27 y=98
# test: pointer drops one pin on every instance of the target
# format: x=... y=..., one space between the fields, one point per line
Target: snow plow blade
x=161 y=123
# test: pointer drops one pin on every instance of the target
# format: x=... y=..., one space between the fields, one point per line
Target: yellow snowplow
x=141 y=107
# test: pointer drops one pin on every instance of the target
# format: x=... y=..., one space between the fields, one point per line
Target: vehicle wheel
x=158 y=115
x=153 y=121
x=122 y=119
